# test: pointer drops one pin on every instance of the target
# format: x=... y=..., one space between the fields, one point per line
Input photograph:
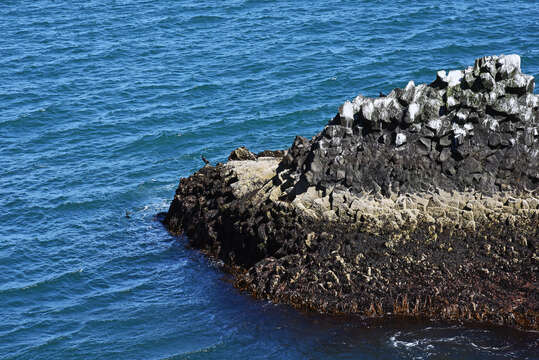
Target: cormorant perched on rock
x=205 y=160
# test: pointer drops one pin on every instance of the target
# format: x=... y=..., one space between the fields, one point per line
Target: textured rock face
x=420 y=203
x=472 y=129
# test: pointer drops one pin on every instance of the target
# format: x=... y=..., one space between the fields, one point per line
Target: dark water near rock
x=105 y=104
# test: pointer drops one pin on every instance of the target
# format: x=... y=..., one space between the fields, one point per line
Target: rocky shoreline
x=420 y=203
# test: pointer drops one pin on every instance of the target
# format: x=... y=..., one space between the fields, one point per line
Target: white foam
x=489 y=348
x=398 y=343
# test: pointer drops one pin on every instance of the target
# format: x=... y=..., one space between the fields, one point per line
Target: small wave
x=186 y=355
x=202 y=87
x=115 y=292
x=202 y=19
x=399 y=343
x=53 y=339
x=489 y=348
x=43 y=282
x=434 y=341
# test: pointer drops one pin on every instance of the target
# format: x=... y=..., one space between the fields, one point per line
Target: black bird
x=205 y=160
x=382 y=94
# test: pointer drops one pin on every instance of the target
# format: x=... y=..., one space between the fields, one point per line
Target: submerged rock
x=419 y=203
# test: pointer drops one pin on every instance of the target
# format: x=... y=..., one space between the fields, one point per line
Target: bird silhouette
x=205 y=160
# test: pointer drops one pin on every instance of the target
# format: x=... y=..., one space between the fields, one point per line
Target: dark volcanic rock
x=419 y=203
x=444 y=135
x=241 y=153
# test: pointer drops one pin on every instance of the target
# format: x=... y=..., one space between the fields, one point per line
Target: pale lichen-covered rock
x=421 y=203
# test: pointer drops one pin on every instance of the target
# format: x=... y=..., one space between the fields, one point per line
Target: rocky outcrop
x=419 y=203
x=475 y=129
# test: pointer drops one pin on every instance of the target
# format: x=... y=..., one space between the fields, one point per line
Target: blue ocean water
x=105 y=104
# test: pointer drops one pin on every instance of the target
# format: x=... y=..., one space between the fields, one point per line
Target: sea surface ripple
x=105 y=104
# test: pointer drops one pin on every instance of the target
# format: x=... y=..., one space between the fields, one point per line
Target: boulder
x=241 y=153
